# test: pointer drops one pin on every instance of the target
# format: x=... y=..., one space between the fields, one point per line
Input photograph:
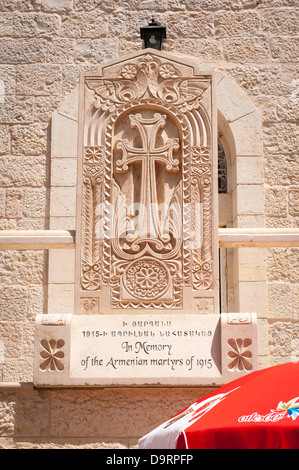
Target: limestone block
x=36 y=300
x=221 y=4
x=4 y=139
x=254 y=221
x=23 y=51
x=294 y=201
x=199 y=26
x=260 y=80
x=249 y=199
x=13 y=303
x=22 y=267
x=7 y=74
x=65 y=132
x=278 y=222
x=285 y=51
x=64 y=172
x=11 y=336
x=93 y=412
x=263 y=348
x=284 y=339
x=282 y=170
x=280 y=301
x=40 y=25
x=280 y=21
x=276 y=202
x=247 y=134
x=91 y=5
x=61 y=266
x=16 y=110
x=62 y=223
x=232 y=100
x=61 y=51
x=7 y=406
x=96 y=50
x=144 y=5
x=246 y=50
x=252 y=296
x=2 y=202
x=14 y=203
x=123 y=23
x=32 y=172
x=249 y=170
x=202 y=48
x=32 y=410
x=20 y=369
x=61 y=6
x=39 y=79
x=89 y=24
x=225 y=208
x=287 y=108
x=281 y=138
x=295 y=302
x=69 y=106
x=283 y=265
x=45 y=106
x=32 y=224
x=6 y=24
x=35 y=203
x=251 y=264
x=63 y=201
x=244 y=23
x=29 y=140
x=61 y=298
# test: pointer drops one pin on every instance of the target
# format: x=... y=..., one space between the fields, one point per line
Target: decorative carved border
x=201 y=192
x=91 y=273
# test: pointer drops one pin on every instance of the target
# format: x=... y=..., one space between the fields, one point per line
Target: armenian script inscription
x=150 y=347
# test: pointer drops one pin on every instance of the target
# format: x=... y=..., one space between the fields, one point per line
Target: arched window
x=222 y=170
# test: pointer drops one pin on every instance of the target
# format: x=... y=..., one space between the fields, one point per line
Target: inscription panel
x=143 y=349
x=153 y=349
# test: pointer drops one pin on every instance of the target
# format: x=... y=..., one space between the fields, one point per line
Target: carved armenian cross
x=148 y=155
x=149 y=206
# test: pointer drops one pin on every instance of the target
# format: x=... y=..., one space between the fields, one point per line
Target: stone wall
x=44 y=46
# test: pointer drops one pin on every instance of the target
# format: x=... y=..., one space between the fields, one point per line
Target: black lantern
x=153 y=35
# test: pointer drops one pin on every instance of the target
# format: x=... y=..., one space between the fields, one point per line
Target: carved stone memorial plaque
x=146 y=237
x=148 y=208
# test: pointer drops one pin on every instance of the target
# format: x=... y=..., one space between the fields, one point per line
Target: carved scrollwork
x=150 y=78
x=201 y=191
x=91 y=205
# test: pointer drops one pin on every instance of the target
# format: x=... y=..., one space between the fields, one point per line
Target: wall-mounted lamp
x=153 y=35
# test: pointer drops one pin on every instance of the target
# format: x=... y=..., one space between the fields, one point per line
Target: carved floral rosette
x=146 y=126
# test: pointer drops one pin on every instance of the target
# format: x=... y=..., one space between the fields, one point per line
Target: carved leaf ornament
x=51 y=355
x=148 y=78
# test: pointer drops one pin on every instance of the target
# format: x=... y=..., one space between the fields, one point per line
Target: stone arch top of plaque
x=147 y=186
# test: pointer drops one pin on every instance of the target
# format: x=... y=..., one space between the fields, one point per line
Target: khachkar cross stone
x=148 y=227
x=148 y=155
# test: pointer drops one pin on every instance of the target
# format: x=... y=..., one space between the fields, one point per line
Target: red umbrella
x=257 y=411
